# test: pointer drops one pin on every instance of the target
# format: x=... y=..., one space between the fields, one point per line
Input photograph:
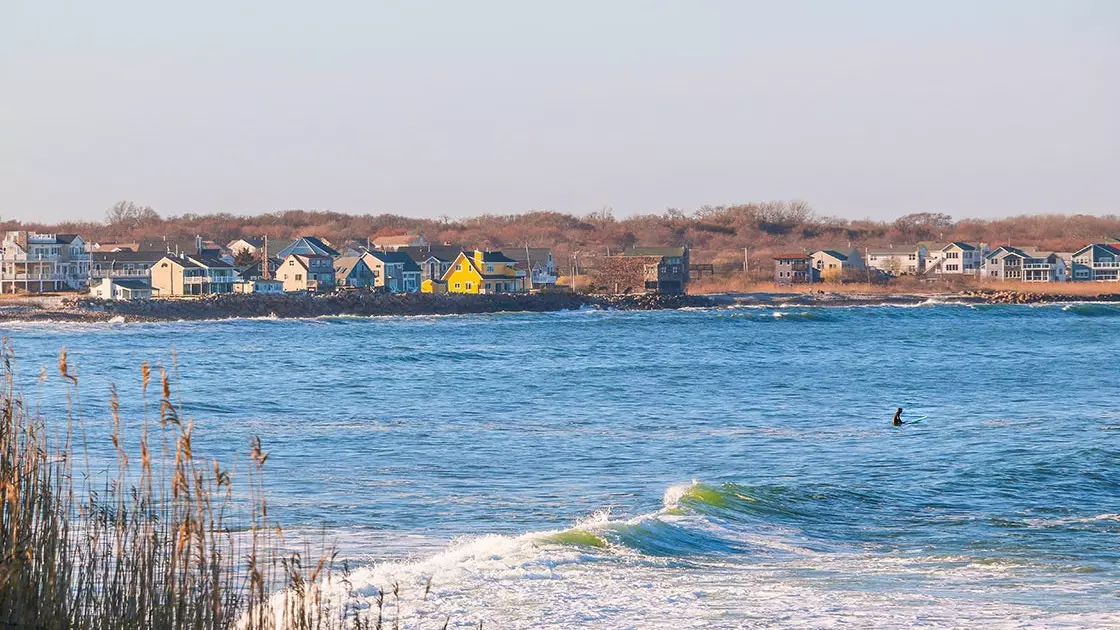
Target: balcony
x=1044 y=266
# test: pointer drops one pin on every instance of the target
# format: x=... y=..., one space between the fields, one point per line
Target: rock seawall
x=365 y=304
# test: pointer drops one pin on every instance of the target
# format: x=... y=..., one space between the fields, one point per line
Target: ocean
x=707 y=468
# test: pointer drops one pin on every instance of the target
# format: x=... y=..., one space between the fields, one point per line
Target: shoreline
x=235 y=306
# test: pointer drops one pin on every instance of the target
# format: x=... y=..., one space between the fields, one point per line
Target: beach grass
x=168 y=539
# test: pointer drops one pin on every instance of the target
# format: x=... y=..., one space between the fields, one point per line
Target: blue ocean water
x=707 y=468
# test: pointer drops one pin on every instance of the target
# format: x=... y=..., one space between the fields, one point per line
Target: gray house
x=794 y=269
x=1015 y=264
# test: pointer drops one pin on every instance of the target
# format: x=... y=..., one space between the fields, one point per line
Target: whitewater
x=705 y=468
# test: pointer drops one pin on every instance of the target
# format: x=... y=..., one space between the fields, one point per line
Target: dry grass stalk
x=148 y=548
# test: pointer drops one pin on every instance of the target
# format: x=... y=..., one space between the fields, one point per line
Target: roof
x=901 y=250
x=136 y=284
x=493 y=257
x=344 y=266
x=396 y=258
x=791 y=256
x=536 y=256
x=443 y=253
x=307 y=246
x=1007 y=249
x=123 y=257
x=666 y=252
x=208 y=261
x=1108 y=249
x=66 y=238
x=832 y=252
x=964 y=246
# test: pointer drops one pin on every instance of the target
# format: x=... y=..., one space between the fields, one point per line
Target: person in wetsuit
x=898 y=418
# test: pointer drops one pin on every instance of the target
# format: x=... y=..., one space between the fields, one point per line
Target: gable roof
x=346 y=265
x=492 y=256
x=1006 y=250
x=307 y=246
x=396 y=258
x=134 y=284
x=832 y=252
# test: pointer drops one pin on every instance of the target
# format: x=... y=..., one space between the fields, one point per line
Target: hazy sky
x=863 y=109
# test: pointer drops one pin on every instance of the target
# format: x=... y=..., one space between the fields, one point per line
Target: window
x=489 y=268
x=470 y=285
x=299 y=276
x=489 y=287
x=458 y=285
x=459 y=267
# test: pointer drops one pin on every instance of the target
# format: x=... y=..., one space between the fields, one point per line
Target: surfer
x=898 y=418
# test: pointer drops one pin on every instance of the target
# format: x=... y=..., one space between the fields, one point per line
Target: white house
x=35 y=263
x=258 y=285
x=955 y=258
x=906 y=260
x=122 y=289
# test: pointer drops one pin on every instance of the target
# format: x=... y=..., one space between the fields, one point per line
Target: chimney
x=198 y=244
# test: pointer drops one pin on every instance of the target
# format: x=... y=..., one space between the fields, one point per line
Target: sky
x=864 y=109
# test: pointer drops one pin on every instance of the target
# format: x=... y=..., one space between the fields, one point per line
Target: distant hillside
x=717 y=234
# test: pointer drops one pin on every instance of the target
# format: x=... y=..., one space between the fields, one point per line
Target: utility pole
x=528 y=266
x=265 y=275
x=747 y=262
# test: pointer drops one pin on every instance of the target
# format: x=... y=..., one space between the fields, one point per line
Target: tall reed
x=164 y=541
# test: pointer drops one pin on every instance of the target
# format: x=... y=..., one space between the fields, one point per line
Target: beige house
x=835 y=265
x=311 y=273
x=175 y=275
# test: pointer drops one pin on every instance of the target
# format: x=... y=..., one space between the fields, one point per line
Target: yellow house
x=483 y=272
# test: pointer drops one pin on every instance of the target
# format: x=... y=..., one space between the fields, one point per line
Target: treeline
x=716 y=233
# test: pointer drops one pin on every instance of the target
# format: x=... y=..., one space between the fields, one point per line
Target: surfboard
x=917 y=420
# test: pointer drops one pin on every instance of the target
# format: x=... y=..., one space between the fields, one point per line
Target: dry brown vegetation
x=169 y=541
x=717 y=234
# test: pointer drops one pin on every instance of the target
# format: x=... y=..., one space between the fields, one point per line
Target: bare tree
x=130 y=215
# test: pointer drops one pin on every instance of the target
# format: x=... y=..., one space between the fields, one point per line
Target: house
x=354 y=271
x=538 y=263
x=483 y=272
x=955 y=258
x=395 y=272
x=35 y=263
x=644 y=270
x=122 y=264
x=259 y=285
x=433 y=260
x=306 y=246
x=396 y=243
x=174 y=275
x=835 y=265
x=905 y=260
x=307 y=272
x=793 y=268
x=1023 y=264
x=122 y=289
x=1099 y=262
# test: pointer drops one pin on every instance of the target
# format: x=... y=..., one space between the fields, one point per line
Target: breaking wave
x=1093 y=309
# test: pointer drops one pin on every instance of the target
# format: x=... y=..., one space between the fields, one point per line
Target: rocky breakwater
x=994 y=296
x=361 y=303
